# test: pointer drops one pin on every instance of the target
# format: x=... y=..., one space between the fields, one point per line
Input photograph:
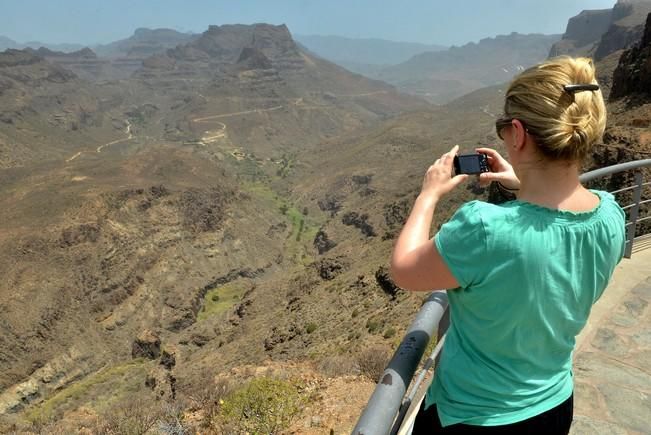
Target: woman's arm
x=416 y=263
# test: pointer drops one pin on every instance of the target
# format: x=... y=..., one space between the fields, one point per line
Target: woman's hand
x=501 y=171
x=438 y=178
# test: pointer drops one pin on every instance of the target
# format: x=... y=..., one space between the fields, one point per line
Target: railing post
x=635 y=210
x=383 y=405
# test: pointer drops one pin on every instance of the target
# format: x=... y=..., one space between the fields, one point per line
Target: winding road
x=298 y=102
x=221 y=132
x=99 y=148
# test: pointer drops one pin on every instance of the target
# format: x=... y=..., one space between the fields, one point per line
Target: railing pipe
x=383 y=406
x=631 y=226
x=608 y=170
x=637 y=197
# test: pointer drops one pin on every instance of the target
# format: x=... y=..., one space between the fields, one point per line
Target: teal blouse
x=528 y=277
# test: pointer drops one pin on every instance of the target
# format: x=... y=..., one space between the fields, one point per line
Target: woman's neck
x=552 y=184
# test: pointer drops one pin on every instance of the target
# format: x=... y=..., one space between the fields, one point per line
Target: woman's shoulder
x=483 y=209
x=483 y=214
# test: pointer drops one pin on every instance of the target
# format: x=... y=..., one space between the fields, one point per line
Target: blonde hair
x=564 y=124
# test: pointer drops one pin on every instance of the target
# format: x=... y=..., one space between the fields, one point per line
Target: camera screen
x=469 y=164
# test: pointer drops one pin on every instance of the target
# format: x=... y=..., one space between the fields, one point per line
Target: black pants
x=556 y=421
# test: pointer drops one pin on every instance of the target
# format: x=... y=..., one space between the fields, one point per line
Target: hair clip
x=581 y=87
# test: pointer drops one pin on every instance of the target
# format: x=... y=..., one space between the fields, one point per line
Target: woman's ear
x=519 y=133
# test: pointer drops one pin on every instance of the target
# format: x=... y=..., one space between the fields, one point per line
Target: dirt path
x=99 y=148
x=245 y=112
x=216 y=134
x=128 y=131
x=297 y=102
x=365 y=94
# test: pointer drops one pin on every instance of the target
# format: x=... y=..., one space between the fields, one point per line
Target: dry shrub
x=135 y=417
x=373 y=360
x=206 y=394
x=337 y=365
x=172 y=421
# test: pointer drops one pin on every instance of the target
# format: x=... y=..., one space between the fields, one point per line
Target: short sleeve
x=461 y=242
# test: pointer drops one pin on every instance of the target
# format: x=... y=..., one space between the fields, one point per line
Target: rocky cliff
x=583 y=31
x=599 y=33
x=626 y=28
x=224 y=44
x=633 y=74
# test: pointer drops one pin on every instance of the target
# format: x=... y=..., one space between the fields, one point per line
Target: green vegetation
x=311 y=327
x=102 y=388
x=220 y=299
x=304 y=229
x=286 y=163
x=373 y=325
x=262 y=406
x=389 y=332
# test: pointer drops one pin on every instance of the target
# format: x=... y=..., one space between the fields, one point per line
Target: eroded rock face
x=146 y=345
x=633 y=74
x=385 y=282
x=582 y=30
x=329 y=268
x=322 y=243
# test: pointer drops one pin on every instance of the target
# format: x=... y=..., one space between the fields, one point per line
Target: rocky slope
x=45 y=110
x=633 y=74
x=156 y=211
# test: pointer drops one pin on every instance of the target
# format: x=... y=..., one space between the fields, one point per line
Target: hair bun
x=560 y=102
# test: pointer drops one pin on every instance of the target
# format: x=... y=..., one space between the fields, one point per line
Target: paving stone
x=631 y=408
x=643 y=290
x=590 y=426
x=608 y=341
x=643 y=338
x=597 y=368
x=588 y=400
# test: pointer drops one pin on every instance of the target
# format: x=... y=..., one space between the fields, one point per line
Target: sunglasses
x=500 y=124
x=505 y=121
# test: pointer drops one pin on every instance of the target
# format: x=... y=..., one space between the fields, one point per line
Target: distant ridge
x=358 y=54
x=443 y=76
x=6 y=42
x=144 y=42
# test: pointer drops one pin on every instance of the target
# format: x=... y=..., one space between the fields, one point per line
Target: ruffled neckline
x=556 y=212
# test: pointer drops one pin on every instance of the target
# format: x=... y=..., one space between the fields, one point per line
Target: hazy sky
x=435 y=21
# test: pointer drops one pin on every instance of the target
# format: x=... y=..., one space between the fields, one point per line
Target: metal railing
x=637 y=189
x=387 y=406
x=385 y=402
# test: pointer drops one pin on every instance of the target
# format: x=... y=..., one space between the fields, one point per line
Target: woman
x=524 y=273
